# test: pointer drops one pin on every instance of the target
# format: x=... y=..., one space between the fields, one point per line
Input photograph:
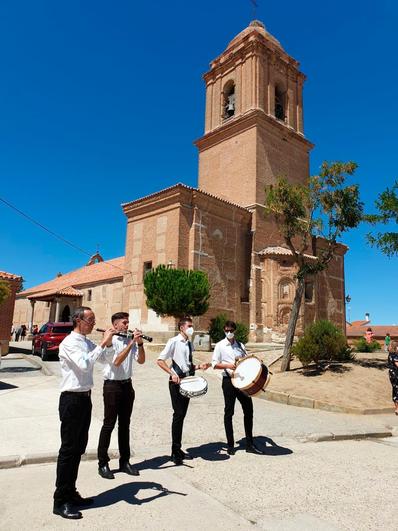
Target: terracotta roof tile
x=98 y=272
x=181 y=185
x=379 y=331
x=281 y=251
x=9 y=276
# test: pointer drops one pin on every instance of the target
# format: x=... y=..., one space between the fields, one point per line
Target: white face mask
x=189 y=331
x=229 y=335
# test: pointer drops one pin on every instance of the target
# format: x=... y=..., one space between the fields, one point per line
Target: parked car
x=46 y=341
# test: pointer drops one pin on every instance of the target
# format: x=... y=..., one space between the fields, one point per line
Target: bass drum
x=251 y=375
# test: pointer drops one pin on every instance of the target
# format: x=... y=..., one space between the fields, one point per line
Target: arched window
x=280 y=103
x=285 y=290
x=229 y=100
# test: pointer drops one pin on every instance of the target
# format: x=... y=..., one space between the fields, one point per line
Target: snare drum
x=251 y=375
x=193 y=386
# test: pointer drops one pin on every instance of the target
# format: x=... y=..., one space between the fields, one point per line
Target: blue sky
x=101 y=101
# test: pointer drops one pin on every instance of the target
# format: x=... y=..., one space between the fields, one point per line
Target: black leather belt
x=77 y=393
x=128 y=380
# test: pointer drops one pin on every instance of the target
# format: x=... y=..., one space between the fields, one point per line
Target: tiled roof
x=380 y=331
x=178 y=185
x=98 y=272
x=9 y=276
x=358 y=323
x=66 y=292
x=281 y=251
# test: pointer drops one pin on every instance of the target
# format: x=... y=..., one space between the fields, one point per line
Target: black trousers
x=118 y=405
x=180 y=407
x=75 y=416
x=230 y=396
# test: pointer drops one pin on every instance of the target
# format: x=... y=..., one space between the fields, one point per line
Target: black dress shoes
x=80 y=501
x=105 y=472
x=66 y=510
x=231 y=450
x=177 y=459
x=184 y=455
x=252 y=449
x=129 y=469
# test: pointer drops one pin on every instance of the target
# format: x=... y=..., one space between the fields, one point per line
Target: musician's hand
x=136 y=335
x=204 y=366
x=175 y=378
x=108 y=335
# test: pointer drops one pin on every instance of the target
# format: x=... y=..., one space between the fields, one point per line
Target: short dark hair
x=230 y=324
x=79 y=314
x=119 y=315
x=183 y=320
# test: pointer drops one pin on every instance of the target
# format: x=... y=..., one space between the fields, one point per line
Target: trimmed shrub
x=361 y=345
x=322 y=341
x=216 y=329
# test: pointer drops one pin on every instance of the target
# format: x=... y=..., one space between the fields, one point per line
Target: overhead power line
x=61 y=238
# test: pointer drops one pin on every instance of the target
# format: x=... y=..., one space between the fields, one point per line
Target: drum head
x=246 y=372
x=193 y=384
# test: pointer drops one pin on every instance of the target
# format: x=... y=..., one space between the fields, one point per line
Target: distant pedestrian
x=393 y=372
x=23 y=332
x=18 y=332
x=369 y=335
x=35 y=330
x=12 y=331
x=387 y=341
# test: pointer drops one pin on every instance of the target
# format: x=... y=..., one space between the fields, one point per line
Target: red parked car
x=47 y=340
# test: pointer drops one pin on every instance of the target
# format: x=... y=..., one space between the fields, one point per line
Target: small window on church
x=279 y=104
x=229 y=100
x=147 y=267
x=89 y=294
x=309 y=291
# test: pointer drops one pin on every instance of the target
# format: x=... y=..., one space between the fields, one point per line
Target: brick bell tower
x=254 y=119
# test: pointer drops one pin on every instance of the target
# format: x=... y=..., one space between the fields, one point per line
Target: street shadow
x=267 y=445
x=375 y=363
x=4 y=386
x=210 y=451
x=316 y=370
x=128 y=493
x=156 y=463
x=19 y=369
x=16 y=350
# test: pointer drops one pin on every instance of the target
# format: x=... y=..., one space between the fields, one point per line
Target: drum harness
x=177 y=369
x=226 y=373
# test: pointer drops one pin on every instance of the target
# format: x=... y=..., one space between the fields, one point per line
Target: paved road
x=295 y=486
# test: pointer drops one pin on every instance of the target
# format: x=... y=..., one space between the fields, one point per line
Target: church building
x=253 y=135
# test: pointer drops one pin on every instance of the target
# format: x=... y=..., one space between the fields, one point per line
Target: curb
x=16 y=461
x=37 y=363
x=346 y=436
x=311 y=403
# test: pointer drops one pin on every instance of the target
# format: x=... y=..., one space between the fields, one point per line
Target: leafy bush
x=216 y=329
x=177 y=292
x=5 y=291
x=322 y=341
x=361 y=345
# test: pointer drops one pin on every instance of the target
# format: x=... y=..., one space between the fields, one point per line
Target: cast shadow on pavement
x=210 y=451
x=128 y=493
x=18 y=369
x=267 y=445
x=156 y=463
x=4 y=386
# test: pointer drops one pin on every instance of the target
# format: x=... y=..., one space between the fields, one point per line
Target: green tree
x=387 y=206
x=177 y=292
x=326 y=207
x=5 y=291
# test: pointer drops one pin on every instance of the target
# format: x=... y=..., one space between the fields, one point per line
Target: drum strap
x=226 y=373
x=177 y=368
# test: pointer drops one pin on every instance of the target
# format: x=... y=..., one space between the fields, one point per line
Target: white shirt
x=224 y=352
x=177 y=349
x=125 y=369
x=77 y=356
